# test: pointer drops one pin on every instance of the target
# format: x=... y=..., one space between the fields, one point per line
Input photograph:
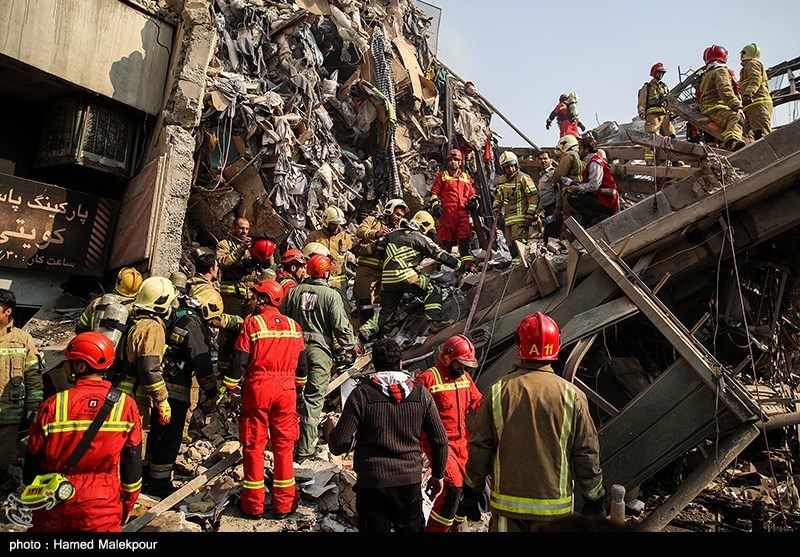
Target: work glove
x=472 y=502
x=567 y=181
x=436 y=209
x=223 y=390
x=473 y=204
x=548 y=124
x=464 y=267
x=164 y=412
x=598 y=507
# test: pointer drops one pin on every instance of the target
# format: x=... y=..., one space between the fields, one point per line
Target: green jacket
x=20 y=375
x=404 y=249
x=319 y=310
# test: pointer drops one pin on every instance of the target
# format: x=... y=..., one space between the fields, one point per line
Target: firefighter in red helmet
x=533 y=433
x=107 y=477
x=452 y=197
x=267 y=351
x=455 y=395
x=718 y=96
x=293 y=264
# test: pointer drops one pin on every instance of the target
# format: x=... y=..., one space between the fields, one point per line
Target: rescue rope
x=488 y=342
x=729 y=236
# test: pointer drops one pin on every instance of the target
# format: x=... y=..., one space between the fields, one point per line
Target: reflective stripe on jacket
x=517 y=196
x=533 y=435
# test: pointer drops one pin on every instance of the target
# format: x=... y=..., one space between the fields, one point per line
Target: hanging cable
x=730 y=238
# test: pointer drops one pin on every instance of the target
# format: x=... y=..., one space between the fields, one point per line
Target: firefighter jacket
x=517 y=196
x=238 y=270
x=145 y=345
x=754 y=83
x=20 y=375
x=107 y=478
x=188 y=352
x=599 y=181
x=197 y=284
x=404 y=249
x=86 y=322
x=533 y=435
x=455 y=397
x=653 y=97
x=717 y=91
x=453 y=191
x=365 y=233
x=319 y=310
x=570 y=166
x=338 y=244
x=273 y=342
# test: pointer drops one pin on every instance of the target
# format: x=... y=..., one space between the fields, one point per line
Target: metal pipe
x=691 y=487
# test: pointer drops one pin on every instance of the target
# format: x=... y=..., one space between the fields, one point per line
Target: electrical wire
x=730 y=238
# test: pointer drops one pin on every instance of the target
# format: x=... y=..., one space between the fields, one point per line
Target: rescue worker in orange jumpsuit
x=452 y=196
x=566 y=112
x=267 y=351
x=293 y=265
x=455 y=395
x=108 y=476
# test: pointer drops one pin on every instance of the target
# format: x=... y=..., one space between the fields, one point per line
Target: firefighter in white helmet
x=334 y=236
x=145 y=345
x=517 y=198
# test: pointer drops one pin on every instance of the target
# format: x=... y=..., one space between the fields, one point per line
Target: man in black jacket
x=382 y=420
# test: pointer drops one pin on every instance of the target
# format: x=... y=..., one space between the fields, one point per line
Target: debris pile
x=316 y=102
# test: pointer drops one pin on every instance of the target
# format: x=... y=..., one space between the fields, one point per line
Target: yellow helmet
x=179 y=279
x=157 y=295
x=567 y=142
x=750 y=52
x=211 y=305
x=424 y=221
x=333 y=215
x=128 y=282
x=315 y=247
x=508 y=157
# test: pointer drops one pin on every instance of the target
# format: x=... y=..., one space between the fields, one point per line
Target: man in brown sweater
x=382 y=420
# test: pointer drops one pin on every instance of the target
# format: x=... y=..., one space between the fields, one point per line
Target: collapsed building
x=679 y=315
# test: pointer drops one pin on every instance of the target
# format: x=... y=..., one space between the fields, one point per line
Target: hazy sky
x=522 y=55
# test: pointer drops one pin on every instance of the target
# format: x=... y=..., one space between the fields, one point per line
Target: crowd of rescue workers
x=274 y=326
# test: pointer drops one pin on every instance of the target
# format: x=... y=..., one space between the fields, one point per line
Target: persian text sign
x=50 y=228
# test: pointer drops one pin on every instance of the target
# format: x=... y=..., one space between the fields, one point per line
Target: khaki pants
x=659 y=124
x=728 y=120
x=758 y=117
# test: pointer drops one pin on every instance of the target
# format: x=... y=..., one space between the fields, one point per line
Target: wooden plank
x=596 y=319
x=697 y=118
x=663 y=143
x=187 y=489
x=659 y=172
x=361 y=362
x=576 y=356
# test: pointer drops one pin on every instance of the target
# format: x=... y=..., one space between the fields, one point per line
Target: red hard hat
x=93 y=348
x=263 y=248
x=538 y=338
x=563 y=97
x=458 y=348
x=272 y=289
x=715 y=52
x=658 y=66
x=455 y=154
x=318 y=265
x=293 y=256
